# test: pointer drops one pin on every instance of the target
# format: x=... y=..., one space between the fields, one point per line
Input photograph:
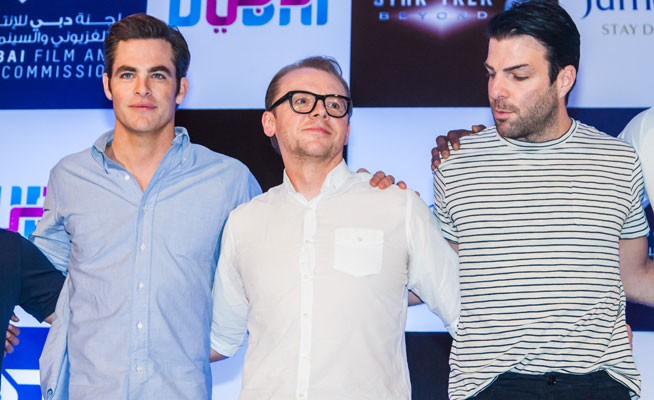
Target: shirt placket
x=141 y=291
x=307 y=267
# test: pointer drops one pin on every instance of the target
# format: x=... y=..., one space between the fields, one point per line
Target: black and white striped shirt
x=538 y=227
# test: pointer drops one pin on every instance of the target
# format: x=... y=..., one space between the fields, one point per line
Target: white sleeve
x=433 y=265
x=639 y=132
x=230 y=306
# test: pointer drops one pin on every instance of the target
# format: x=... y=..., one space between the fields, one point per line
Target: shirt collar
x=181 y=142
x=542 y=145
x=334 y=179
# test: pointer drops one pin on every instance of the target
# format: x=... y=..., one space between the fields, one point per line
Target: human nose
x=320 y=109
x=497 y=88
x=142 y=87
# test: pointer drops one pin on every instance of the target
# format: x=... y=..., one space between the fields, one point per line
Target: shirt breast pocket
x=358 y=252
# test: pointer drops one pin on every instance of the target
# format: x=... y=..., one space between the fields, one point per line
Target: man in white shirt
x=317 y=269
x=639 y=132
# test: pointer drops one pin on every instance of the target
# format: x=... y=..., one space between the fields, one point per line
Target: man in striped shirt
x=545 y=214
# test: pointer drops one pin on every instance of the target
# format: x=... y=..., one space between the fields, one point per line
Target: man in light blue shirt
x=136 y=222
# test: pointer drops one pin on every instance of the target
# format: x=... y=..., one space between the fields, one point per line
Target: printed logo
x=24 y=209
x=253 y=13
x=20 y=374
x=48 y=49
x=617 y=5
x=438 y=16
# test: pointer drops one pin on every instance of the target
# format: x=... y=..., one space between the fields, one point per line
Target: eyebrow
x=508 y=69
x=158 y=68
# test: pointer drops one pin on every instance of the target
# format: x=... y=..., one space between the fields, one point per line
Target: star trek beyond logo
x=438 y=16
x=251 y=12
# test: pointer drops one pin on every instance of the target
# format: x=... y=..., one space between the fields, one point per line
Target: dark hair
x=547 y=22
x=142 y=26
x=323 y=63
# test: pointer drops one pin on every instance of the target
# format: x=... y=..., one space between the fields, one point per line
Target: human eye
x=299 y=100
x=520 y=77
x=126 y=75
x=158 y=75
x=302 y=101
x=335 y=104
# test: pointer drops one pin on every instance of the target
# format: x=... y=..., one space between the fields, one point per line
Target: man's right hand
x=11 y=339
x=442 y=149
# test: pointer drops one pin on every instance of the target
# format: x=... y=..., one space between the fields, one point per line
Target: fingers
x=376 y=178
x=14 y=317
x=631 y=337
x=384 y=180
x=435 y=158
x=362 y=170
x=441 y=151
x=401 y=185
x=478 y=128
x=454 y=136
x=11 y=338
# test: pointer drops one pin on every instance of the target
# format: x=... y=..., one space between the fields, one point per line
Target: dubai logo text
x=253 y=13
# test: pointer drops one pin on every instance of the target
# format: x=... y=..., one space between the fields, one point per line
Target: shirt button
x=300 y=396
x=126 y=177
x=142 y=246
x=145 y=208
x=360 y=239
x=139 y=368
x=305 y=315
x=140 y=285
x=305 y=276
x=139 y=325
x=307 y=241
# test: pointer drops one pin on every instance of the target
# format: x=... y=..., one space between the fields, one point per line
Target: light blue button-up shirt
x=134 y=316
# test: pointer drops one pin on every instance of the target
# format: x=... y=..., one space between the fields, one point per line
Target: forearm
x=639 y=283
x=414 y=300
x=637 y=271
x=215 y=356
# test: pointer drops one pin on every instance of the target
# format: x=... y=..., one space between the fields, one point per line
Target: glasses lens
x=302 y=102
x=336 y=106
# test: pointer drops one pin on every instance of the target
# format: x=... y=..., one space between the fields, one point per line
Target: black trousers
x=554 y=386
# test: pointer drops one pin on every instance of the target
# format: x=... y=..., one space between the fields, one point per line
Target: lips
x=501 y=113
x=317 y=129
x=143 y=106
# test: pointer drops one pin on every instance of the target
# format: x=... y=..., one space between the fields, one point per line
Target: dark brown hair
x=323 y=63
x=142 y=26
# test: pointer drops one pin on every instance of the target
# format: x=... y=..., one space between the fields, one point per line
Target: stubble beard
x=532 y=122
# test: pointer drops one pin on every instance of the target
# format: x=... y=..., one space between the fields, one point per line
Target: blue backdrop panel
x=51 y=51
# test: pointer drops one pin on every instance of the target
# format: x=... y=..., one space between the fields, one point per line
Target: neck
x=308 y=175
x=558 y=126
x=140 y=153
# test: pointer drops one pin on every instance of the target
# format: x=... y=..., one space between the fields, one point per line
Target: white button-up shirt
x=321 y=286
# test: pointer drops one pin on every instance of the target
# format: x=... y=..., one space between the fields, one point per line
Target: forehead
x=516 y=50
x=143 y=53
x=311 y=80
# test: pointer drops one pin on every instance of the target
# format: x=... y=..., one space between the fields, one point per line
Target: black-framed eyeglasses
x=303 y=102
